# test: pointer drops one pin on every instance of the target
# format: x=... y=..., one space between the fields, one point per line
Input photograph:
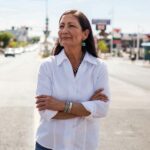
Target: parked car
x=9 y=52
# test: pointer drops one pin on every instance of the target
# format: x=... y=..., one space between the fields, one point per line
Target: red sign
x=116 y=41
x=117 y=33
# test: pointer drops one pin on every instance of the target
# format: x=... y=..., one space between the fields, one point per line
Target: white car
x=9 y=52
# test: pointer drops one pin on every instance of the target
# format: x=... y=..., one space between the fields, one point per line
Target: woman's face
x=70 y=31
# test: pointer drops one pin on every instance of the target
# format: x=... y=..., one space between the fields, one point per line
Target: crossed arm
x=44 y=102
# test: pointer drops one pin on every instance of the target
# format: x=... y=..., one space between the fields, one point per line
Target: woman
x=72 y=89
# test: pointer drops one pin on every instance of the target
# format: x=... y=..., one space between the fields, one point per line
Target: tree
x=102 y=46
x=12 y=44
x=5 y=37
x=35 y=39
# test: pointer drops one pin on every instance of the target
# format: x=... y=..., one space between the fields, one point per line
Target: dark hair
x=85 y=24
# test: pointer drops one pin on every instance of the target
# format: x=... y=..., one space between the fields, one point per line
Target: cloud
x=71 y=1
x=7 y=10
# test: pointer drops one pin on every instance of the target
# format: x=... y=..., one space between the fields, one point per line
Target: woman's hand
x=48 y=102
x=98 y=95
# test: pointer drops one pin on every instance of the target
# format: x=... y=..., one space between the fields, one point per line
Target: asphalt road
x=125 y=128
x=133 y=73
x=127 y=125
x=17 y=89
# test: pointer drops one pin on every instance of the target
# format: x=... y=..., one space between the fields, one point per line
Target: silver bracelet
x=67 y=104
x=70 y=107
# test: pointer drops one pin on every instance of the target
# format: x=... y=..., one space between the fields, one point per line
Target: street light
x=139 y=33
x=111 y=14
x=46 y=51
x=46 y=31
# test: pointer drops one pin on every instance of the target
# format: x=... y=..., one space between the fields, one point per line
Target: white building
x=21 y=33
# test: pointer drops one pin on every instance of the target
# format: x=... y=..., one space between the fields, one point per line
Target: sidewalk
x=141 y=63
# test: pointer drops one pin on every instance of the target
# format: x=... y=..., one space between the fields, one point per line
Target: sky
x=131 y=16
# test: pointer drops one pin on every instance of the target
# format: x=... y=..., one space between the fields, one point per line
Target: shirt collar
x=90 y=59
x=61 y=57
x=87 y=58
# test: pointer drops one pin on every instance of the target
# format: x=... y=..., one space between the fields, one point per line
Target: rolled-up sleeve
x=44 y=87
x=97 y=108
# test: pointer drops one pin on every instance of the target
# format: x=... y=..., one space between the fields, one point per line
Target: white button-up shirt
x=56 y=78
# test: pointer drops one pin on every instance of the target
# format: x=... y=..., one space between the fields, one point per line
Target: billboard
x=101 y=21
x=117 y=33
x=100 y=27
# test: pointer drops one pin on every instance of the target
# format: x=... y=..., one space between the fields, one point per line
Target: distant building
x=130 y=40
x=21 y=33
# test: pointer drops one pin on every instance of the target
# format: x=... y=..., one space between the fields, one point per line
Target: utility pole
x=112 y=26
x=138 y=42
x=46 y=31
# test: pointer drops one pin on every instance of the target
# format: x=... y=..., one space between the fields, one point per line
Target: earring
x=83 y=43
